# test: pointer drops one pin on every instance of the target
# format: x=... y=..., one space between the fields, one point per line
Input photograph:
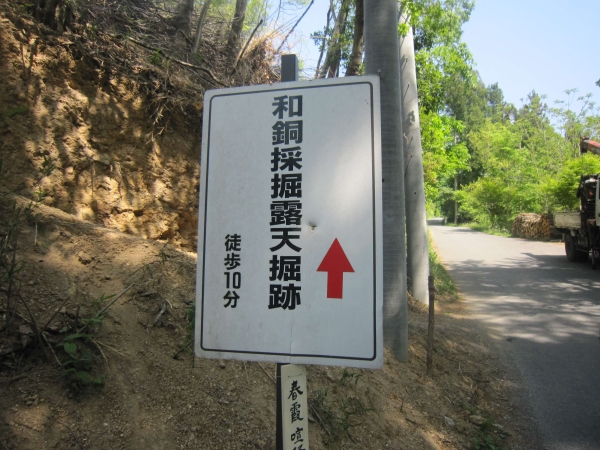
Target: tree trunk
x=329 y=66
x=323 y=43
x=55 y=14
x=183 y=19
x=358 y=43
x=414 y=180
x=334 y=66
x=381 y=59
x=235 y=32
x=455 y=201
x=200 y=25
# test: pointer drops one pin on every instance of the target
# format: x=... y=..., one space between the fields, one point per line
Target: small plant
x=97 y=306
x=79 y=359
x=349 y=376
x=162 y=254
x=444 y=285
x=485 y=440
x=336 y=417
x=10 y=229
x=156 y=58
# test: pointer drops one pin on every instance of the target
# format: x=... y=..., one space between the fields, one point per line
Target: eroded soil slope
x=155 y=395
x=118 y=163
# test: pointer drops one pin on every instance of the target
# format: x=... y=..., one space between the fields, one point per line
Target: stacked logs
x=533 y=226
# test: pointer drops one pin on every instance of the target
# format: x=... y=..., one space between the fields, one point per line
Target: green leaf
x=77 y=336
x=70 y=348
x=84 y=377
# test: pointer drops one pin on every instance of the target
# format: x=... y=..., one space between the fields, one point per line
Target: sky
x=548 y=46
x=522 y=45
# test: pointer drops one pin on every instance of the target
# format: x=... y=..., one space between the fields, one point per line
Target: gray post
x=381 y=58
x=414 y=181
x=289 y=68
x=430 y=325
x=289 y=72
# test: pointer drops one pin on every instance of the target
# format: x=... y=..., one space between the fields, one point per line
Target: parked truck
x=581 y=229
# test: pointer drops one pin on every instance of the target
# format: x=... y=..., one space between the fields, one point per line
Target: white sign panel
x=294 y=396
x=289 y=239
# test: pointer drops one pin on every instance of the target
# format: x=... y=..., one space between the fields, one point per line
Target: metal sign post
x=289 y=72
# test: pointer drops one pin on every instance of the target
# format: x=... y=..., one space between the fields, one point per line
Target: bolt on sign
x=290 y=234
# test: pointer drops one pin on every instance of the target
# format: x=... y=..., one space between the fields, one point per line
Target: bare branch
x=295 y=25
x=181 y=63
x=238 y=59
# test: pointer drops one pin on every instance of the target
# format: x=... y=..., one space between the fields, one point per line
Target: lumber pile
x=533 y=226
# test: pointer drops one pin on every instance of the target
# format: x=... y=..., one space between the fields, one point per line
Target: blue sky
x=548 y=46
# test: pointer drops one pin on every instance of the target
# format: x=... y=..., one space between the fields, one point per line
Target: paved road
x=545 y=311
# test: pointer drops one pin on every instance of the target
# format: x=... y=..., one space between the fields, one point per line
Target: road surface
x=545 y=312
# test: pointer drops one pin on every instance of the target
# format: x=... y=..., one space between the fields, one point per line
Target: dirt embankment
x=155 y=396
x=122 y=167
x=116 y=165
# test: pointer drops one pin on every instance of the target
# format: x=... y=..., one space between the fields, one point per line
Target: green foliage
x=255 y=10
x=437 y=22
x=442 y=156
x=80 y=351
x=337 y=46
x=575 y=124
x=505 y=160
x=349 y=376
x=79 y=360
x=562 y=188
x=162 y=254
x=487 y=439
x=524 y=165
x=443 y=61
x=439 y=71
x=487 y=200
x=158 y=59
x=444 y=285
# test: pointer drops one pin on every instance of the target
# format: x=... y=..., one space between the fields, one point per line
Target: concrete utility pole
x=382 y=58
x=414 y=181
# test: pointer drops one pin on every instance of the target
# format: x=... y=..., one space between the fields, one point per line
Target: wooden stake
x=430 y=327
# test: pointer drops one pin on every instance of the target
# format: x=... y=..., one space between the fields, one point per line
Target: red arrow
x=335 y=264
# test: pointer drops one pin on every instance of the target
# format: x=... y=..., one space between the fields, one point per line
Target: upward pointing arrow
x=335 y=263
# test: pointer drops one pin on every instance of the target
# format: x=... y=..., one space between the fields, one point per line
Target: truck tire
x=572 y=252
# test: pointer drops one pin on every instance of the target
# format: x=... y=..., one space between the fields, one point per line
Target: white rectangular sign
x=289 y=239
